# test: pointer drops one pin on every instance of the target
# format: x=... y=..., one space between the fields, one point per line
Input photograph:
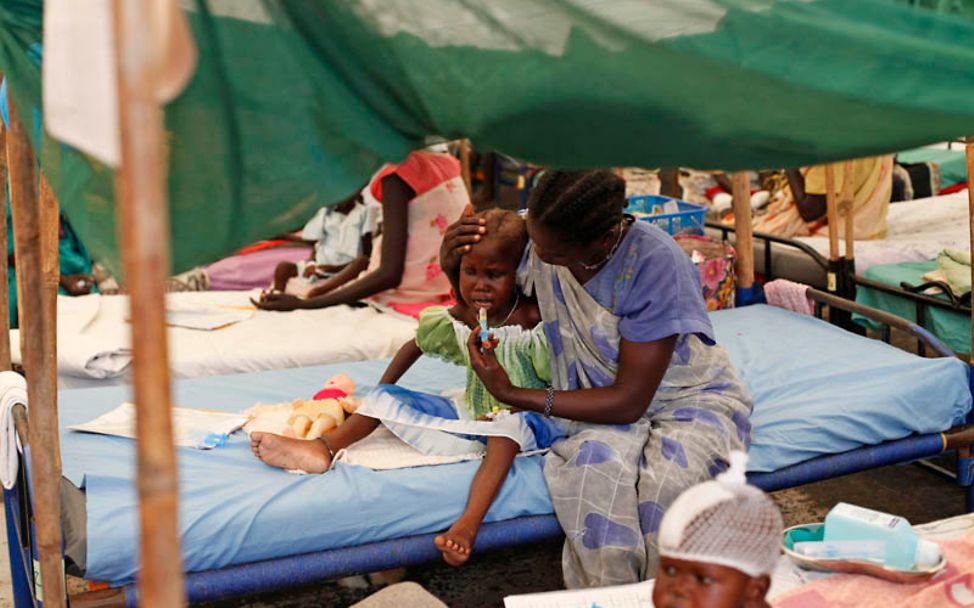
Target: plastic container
x=868 y=550
x=688 y=220
x=905 y=550
x=805 y=533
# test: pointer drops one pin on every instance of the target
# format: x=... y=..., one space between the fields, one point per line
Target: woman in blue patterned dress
x=652 y=404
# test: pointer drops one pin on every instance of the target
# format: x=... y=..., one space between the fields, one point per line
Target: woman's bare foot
x=308 y=455
x=455 y=544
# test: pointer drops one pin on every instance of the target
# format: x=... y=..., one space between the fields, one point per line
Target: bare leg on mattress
x=309 y=455
x=456 y=543
x=283 y=272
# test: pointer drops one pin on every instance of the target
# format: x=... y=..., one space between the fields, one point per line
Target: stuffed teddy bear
x=306 y=418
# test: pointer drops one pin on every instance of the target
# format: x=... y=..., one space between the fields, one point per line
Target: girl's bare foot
x=455 y=544
x=308 y=455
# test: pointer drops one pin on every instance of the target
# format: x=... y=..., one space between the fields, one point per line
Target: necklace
x=517 y=300
x=611 y=253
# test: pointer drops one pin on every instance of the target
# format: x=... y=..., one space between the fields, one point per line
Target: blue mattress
x=818 y=390
x=234 y=509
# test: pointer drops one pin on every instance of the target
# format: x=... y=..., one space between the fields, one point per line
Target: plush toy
x=306 y=418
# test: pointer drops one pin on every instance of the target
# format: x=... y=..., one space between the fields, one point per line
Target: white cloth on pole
x=13 y=391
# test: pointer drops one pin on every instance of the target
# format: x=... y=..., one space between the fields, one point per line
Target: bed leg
x=21 y=588
x=965 y=474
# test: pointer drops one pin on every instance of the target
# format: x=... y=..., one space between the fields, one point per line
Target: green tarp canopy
x=296 y=102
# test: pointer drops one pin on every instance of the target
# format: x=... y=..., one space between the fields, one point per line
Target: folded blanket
x=790 y=296
x=13 y=391
x=382 y=450
x=956 y=267
x=85 y=350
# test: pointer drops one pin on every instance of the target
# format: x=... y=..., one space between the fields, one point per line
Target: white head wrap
x=724 y=522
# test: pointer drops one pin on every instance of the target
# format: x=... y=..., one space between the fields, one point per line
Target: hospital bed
x=901 y=290
x=917 y=230
x=846 y=404
x=94 y=345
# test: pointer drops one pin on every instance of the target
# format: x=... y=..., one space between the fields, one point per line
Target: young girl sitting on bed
x=475 y=423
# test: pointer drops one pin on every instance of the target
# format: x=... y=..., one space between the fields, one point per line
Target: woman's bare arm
x=641 y=369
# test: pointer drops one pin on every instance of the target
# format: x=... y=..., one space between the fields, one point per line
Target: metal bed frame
x=842 y=276
x=296 y=570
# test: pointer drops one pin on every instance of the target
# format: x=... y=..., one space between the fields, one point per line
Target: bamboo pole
x=5 y=353
x=465 y=165
x=144 y=233
x=37 y=337
x=847 y=202
x=969 y=149
x=741 y=184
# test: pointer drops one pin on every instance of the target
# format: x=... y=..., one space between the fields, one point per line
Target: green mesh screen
x=296 y=102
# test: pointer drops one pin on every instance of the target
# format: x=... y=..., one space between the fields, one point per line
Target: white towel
x=13 y=391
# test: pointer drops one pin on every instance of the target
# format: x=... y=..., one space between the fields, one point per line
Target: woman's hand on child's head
x=281 y=302
x=458 y=238
x=485 y=365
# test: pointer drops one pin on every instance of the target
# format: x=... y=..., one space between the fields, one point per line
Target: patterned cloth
x=611 y=484
x=447 y=427
x=433 y=424
x=873 y=188
x=440 y=198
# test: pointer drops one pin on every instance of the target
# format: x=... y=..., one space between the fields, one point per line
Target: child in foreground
x=719 y=543
x=475 y=423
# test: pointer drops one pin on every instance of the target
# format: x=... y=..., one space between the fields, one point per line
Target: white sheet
x=917 y=230
x=94 y=338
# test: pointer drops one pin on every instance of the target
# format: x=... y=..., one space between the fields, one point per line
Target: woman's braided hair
x=581 y=206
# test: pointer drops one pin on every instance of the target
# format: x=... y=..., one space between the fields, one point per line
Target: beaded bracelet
x=549 y=401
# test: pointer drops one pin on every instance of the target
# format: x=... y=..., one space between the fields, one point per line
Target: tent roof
x=296 y=102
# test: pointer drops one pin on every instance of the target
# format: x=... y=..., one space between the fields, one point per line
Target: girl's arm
x=641 y=369
x=396 y=195
x=345 y=275
x=400 y=364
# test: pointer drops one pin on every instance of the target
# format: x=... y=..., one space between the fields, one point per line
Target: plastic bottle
x=905 y=550
x=869 y=550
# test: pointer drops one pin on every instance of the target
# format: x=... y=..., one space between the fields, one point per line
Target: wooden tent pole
x=140 y=185
x=51 y=273
x=5 y=353
x=465 y=165
x=37 y=338
x=831 y=213
x=741 y=186
x=847 y=202
x=969 y=149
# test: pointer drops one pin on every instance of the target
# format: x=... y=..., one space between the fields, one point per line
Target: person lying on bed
x=800 y=209
x=342 y=235
x=478 y=422
x=420 y=197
